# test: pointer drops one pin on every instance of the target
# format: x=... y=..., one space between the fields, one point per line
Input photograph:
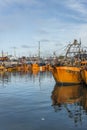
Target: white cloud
x=30 y=26
x=77 y=6
x=75 y=9
x=8 y=3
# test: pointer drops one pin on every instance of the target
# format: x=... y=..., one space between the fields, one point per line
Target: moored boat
x=2 y=68
x=42 y=67
x=11 y=68
x=35 y=67
x=67 y=71
x=66 y=75
x=49 y=67
x=84 y=71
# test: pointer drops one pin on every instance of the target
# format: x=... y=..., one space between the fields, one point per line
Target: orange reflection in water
x=66 y=94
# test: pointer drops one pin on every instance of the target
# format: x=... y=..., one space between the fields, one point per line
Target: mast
x=39 y=49
x=73 y=48
x=2 y=54
x=14 y=51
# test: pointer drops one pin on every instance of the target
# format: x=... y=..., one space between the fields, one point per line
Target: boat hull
x=84 y=76
x=35 y=67
x=42 y=68
x=66 y=75
x=84 y=71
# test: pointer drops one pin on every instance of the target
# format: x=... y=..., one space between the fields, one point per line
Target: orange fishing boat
x=68 y=71
x=35 y=67
x=19 y=67
x=66 y=75
x=48 y=67
x=2 y=68
x=84 y=71
x=66 y=94
x=11 y=68
x=42 y=67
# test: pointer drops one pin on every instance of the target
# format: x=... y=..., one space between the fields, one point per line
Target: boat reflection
x=5 y=77
x=71 y=100
x=66 y=94
x=84 y=99
x=33 y=76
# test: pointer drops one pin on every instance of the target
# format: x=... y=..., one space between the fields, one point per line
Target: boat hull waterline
x=67 y=75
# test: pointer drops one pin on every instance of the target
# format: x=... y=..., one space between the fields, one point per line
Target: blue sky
x=54 y=23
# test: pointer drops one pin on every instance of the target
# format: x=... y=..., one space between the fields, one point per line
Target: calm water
x=33 y=102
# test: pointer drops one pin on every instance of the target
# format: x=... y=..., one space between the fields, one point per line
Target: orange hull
x=84 y=71
x=66 y=94
x=35 y=66
x=25 y=67
x=2 y=68
x=42 y=68
x=9 y=69
x=48 y=67
x=84 y=75
x=67 y=75
x=18 y=68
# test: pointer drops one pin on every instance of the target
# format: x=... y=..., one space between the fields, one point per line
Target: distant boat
x=42 y=67
x=2 y=68
x=35 y=67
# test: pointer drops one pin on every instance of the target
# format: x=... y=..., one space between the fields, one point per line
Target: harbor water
x=32 y=101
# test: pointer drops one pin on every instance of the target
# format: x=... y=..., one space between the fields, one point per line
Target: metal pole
x=39 y=50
